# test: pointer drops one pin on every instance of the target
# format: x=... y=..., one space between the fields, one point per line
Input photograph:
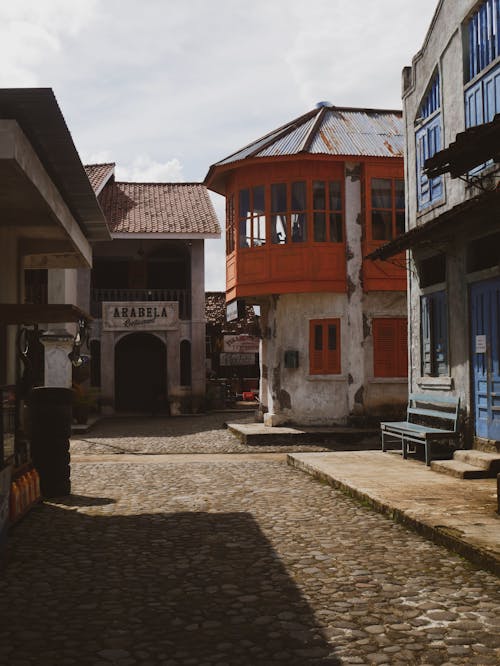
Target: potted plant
x=85 y=400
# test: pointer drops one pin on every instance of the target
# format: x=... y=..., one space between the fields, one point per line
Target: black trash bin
x=51 y=417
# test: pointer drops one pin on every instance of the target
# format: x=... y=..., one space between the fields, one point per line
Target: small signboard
x=138 y=316
x=235 y=310
x=480 y=344
x=237 y=359
x=241 y=344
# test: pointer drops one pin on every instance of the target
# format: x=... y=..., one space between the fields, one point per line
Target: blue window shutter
x=440 y=332
x=492 y=95
x=425 y=335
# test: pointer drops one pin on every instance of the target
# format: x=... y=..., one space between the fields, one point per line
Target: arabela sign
x=137 y=316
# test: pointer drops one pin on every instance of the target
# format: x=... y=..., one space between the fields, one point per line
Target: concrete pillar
x=10 y=292
x=62 y=287
x=58 y=368
x=108 y=372
x=352 y=334
x=175 y=394
x=198 y=320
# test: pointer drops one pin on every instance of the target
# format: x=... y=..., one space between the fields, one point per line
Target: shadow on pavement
x=161 y=426
x=159 y=588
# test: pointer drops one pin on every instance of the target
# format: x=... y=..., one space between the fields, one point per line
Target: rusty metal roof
x=329 y=130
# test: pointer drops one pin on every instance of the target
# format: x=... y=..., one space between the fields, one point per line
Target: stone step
x=487 y=461
x=459 y=469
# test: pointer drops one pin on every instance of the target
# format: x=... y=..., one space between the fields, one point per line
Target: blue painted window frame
x=434 y=334
x=428 y=142
x=484 y=37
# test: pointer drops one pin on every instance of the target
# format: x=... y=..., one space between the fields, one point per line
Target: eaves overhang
x=472 y=211
x=471 y=148
x=38 y=114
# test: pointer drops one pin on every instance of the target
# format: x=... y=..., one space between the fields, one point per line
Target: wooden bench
x=429 y=418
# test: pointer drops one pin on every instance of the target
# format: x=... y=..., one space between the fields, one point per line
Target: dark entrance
x=140 y=374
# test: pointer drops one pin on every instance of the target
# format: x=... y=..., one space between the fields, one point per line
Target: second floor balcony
x=181 y=296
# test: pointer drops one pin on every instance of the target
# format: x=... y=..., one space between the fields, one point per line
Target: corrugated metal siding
x=341 y=132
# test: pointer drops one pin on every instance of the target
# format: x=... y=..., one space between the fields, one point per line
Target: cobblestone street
x=226 y=560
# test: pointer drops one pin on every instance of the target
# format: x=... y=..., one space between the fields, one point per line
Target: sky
x=165 y=88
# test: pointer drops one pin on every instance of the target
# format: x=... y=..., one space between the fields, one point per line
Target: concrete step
x=487 y=461
x=340 y=438
x=459 y=469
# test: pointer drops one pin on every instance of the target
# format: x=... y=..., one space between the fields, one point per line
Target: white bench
x=440 y=415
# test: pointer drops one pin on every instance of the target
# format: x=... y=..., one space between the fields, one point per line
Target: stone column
x=198 y=321
x=108 y=372
x=58 y=345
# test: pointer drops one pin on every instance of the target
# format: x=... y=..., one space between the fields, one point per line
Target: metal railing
x=182 y=296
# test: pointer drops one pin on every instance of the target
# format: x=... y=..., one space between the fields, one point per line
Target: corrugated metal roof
x=331 y=131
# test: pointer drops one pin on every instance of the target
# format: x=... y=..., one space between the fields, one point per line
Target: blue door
x=485 y=312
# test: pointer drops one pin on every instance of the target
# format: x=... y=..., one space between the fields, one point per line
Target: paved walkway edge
x=438 y=534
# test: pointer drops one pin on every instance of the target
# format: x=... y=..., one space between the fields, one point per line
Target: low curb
x=439 y=534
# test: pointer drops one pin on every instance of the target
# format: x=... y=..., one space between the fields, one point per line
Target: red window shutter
x=390 y=352
x=384 y=347
x=324 y=346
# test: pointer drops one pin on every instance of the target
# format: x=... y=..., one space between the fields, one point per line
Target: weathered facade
x=146 y=293
x=451 y=95
x=304 y=205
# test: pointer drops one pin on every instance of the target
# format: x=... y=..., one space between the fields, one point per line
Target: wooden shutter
x=425 y=334
x=324 y=346
x=390 y=347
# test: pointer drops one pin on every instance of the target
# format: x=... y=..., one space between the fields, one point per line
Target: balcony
x=182 y=296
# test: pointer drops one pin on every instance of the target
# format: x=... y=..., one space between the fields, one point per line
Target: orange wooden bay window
x=324 y=347
x=390 y=347
x=387 y=208
x=230 y=232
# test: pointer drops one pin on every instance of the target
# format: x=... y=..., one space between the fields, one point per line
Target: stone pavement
x=459 y=513
x=220 y=560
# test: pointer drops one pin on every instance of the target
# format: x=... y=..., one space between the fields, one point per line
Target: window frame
x=434 y=333
x=393 y=210
x=327 y=360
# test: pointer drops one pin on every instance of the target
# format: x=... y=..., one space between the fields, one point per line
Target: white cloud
x=143 y=169
x=184 y=84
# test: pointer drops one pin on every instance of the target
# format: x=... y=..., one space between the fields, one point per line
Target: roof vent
x=320 y=105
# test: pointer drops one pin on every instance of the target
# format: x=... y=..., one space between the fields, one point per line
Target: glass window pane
x=244 y=202
x=278 y=229
x=278 y=198
x=320 y=227
x=336 y=228
x=318 y=337
x=335 y=196
x=259 y=231
x=299 y=196
x=381 y=225
x=332 y=337
x=400 y=193
x=245 y=232
x=319 y=197
x=381 y=193
x=258 y=200
x=400 y=223
x=299 y=227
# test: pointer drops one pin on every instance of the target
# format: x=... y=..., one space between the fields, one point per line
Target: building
x=304 y=205
x=146 y=293
x=451 y=101
x=232 y=346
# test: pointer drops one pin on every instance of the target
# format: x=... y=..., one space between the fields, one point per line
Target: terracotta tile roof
x=180 y=208
x=99 y=174
x=215 y=312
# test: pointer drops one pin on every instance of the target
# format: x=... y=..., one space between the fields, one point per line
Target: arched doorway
x=140 y=374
